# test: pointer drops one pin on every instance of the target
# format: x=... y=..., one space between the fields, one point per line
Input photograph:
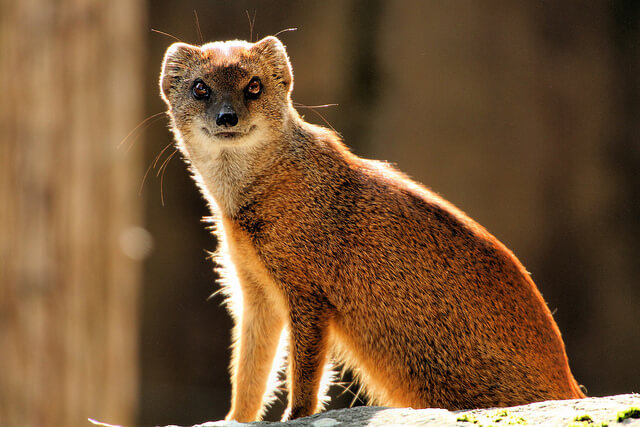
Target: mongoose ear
x=174 y=65
x=272 y=49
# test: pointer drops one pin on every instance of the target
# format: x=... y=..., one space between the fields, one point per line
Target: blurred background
x=524 y=114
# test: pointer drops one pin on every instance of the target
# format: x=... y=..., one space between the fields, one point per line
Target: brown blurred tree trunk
x=70 y=85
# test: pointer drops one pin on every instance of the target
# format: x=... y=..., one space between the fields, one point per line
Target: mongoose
x=357 y=262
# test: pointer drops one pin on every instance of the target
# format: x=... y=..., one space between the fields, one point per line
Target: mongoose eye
x=253 y=89
x=200 y=90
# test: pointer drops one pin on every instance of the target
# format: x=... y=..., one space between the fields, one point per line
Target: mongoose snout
x=227 y=116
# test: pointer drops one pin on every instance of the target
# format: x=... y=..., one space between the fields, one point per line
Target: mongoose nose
x=227 y=118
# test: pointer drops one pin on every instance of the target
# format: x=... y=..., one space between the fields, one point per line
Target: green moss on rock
x=632 y=412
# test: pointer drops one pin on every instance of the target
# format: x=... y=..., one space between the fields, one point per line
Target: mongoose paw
x=286 y=416
x=294 y=413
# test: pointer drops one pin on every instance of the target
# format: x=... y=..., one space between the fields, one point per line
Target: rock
x=594 y=411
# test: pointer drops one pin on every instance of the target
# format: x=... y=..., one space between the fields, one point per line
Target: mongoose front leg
x=308 y=352
x=253 y=354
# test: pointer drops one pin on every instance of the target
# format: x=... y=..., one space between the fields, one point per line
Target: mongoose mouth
x=231 y=134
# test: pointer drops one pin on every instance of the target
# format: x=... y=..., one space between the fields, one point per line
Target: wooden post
x=71 y=85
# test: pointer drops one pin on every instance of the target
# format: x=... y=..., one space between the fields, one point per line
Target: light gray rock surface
x=551 y=413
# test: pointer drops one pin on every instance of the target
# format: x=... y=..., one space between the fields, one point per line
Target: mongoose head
x=230 y=93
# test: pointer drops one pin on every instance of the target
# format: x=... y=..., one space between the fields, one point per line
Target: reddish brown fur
x=356 y=260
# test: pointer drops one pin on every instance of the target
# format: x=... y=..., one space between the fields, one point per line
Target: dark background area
x=523 y=114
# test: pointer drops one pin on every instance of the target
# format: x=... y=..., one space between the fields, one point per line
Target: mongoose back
x=355 y=261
